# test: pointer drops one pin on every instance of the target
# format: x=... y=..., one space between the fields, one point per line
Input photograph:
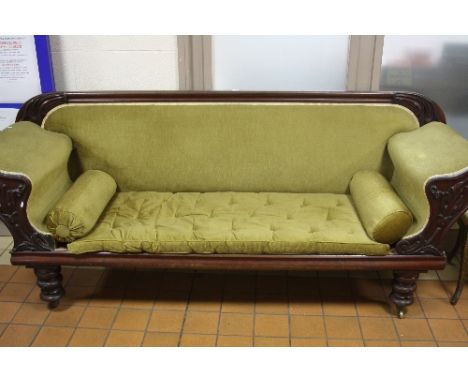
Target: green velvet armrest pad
x=383 y=215
x=432 y=150
x=79 y=209
x=41 y=156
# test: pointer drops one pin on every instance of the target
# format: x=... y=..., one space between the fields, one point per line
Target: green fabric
x=229 y=222
x=232 y=147
x=383 y=214
x=434 y=149
x=78 y=210
x=42 y=157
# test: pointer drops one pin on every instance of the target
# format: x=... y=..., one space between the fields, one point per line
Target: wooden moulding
x=447 y=196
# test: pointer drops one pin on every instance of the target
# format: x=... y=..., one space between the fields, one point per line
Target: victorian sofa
x=232 y=180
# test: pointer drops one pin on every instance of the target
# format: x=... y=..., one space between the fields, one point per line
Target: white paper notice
x=19 y=73
x=7 y=117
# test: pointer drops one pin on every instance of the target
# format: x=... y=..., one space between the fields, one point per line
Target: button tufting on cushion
x=187 y=222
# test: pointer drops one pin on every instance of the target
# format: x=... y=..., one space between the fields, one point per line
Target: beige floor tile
x=431 y=289
x=118 y=338
x=107 y=297
x=438 y=308
x=373 y=308
x=205 y=300
x=18 y=335
x=234 y=341
x=53 y=336
x=161 y=339
x=453 y=344
x=172 y=300
x=413 y=311
x=65 y=316
x=271 y=342
x=201 y=322
x=308 y=342
x=2 y=328
x=32 y=314
x=166 y=321
x=448 y=330
x=271 y=325
x=236 y=324
x=5 y=241
x=15 y=292
x=85 y=277
x=367 y=288
x=342 y=328
x=88 y=337
x=8 y=311
x=197 y=340
x=24 y=275
x=131 y=319
x=418 y=343
x=139 y=298
x=374 y=328
x=75 y=295
x=307 y=326
x=345 y=343
x=305 y=305
x=272 y=304
x=339 y=307
x=413 y=329
x=97 y=318
x=386 y=344
x=450 y=272
x=238 y=303
x=462 y=308
x=430 y=275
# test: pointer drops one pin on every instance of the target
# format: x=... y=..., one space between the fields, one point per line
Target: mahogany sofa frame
x=447 y=196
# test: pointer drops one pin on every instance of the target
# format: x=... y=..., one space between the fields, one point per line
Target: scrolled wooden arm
x=448 y=201
x=14 y=194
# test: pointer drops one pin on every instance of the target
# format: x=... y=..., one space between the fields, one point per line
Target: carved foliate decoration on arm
x=35 y=109
x=14 y=194
x=448 y=201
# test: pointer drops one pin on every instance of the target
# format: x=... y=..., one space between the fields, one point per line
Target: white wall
x=115 y=62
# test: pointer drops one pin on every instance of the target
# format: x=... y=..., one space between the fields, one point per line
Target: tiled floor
x=151 y=308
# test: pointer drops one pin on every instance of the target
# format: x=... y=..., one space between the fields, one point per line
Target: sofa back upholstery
x=276 y=147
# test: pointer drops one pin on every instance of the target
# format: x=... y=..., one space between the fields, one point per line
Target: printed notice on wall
x=19 y=73
x=7 y=117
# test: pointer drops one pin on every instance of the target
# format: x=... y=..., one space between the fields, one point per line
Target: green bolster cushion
x=78 y=210
x=383 y=215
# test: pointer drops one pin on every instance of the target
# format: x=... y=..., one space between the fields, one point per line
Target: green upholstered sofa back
x=275 y=147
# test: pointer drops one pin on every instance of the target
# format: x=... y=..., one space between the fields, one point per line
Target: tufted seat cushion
x=229 y=222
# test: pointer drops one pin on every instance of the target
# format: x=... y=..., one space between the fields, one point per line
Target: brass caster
x=401 y=313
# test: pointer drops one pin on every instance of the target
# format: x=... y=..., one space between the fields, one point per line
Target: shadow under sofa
x=232 y=180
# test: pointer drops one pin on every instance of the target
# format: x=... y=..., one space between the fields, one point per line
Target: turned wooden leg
x=49 y=279
x=404 y=285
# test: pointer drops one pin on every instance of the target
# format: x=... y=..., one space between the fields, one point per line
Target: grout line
x=85 y=306
x=323 y=310
x=116 y=314
x=220 y=308
x=389 y=303
x=192 y=281
x=254 y=308
x=289 y=310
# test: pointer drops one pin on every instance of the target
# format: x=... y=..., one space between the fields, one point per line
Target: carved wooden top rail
x=423 y=108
